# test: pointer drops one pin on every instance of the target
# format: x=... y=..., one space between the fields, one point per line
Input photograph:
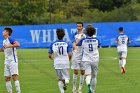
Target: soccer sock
x=74 y=81
x=123 y=62
x=60 y=84
x=9 y=86
x=93 y=84
x=89 y=90
x=88 y=78
x=81 y=81
x=66 y=81
x=17 y=85
x=120 y=63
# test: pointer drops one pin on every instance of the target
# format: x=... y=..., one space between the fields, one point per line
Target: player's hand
x=119 y=44
x=6 y=46
x=75 y=50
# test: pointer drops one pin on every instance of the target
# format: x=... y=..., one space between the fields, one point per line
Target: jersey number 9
x=90 y=47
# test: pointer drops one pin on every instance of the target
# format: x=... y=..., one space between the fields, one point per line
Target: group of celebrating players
x=83 y=52
x=84 y=56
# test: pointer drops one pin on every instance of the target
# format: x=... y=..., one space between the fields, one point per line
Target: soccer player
x=77 y=63
x=11 y=60
x=90 y=57
x=60 y=52
x=122 y=40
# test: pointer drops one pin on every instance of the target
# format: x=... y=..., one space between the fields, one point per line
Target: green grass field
x=37 y=74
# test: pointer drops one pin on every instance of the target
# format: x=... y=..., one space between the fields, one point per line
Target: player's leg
x=75 y=67
x=7 y=75
x=66 y=76
x=81 y=77
x=75 y=74
x=120 y=58
x=17 y=84
x=8 y=84
x=124 y=55
x=120 y=54
x=14 y=73
x=88 y=75
x=94 y=69
x=60 y=80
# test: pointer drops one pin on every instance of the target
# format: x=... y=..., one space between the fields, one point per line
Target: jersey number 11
x=61 y=50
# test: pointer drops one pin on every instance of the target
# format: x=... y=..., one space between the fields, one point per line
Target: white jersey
x=122 y=40
x=76 y=38
x=10 y=53
x=60 y=49
x=90 y=49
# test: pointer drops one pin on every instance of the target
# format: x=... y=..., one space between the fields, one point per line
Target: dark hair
x=9 y=30
x=90 y=30
x=80 y=23
x=60 y=33
x=121 y=29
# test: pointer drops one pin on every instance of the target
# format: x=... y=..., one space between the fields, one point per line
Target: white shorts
x=77 y=62
x=11 y=69
x=122 y=54
x=91 y=68
x=63 y=74
x=78 y=65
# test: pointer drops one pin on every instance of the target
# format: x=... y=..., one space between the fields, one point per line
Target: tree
x=21 y=12
x=107 y=5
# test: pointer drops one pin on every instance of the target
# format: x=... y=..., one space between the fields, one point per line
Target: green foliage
x=108 y=5
x=21 y=12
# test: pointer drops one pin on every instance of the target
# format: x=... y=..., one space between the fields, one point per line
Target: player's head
x=79 y=26
x=60 y=33
x=7 y=31
x=90 y=30
x=120 y=29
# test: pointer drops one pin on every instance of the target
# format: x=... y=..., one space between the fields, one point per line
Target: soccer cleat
x=65 y=87
x=79 y=91
x=123 y=70
x=74 y=91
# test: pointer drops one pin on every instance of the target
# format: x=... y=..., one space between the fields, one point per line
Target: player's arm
x=70 y=55
x=128 y=41
x=75 y=42
x=1 y=50
x=80 y=42
x=74 y=46
x=116 y=41
x=14 y=44
x=50 y=52
x=69 y=50
x=50 y=56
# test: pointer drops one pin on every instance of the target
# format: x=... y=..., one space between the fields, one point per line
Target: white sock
x=93 y=84
x=88 y=78
x=60 y=84
x=66 y=81
x=81 y=81
x=74 y=81
x=123 y=62
x=9 y=86
x=17 y=85
x=120 y=63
